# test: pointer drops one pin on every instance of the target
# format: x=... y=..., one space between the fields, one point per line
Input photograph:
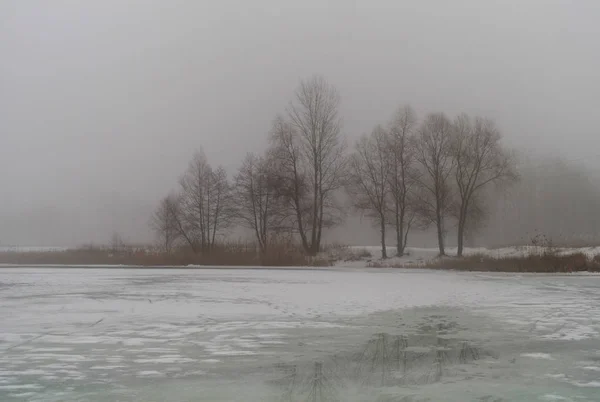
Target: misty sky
x=103 y=102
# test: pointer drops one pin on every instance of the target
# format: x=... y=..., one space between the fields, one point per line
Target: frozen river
x=296 y=335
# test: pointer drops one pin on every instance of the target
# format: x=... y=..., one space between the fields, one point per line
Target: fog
x=102 y=103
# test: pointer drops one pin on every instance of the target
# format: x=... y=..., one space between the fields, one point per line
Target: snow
x=415 y=256
x=180 y=334
x=590 y=384
x=149 y=373
x=552 y=397
x=544 y=356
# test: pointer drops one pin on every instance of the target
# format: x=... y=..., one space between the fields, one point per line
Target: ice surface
x=228 y=335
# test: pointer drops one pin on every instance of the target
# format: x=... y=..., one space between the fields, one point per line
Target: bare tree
x=165 y=222
x=259 y=207
x=480 y=160
x=289 y=178
x=207 y=203
x=369 y=179
x=403 y=174
x=434 y=154
x=309 y=150
x=194 y=199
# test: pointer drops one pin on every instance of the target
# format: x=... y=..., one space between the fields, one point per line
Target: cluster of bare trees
x=428 y=173
x=547 y=184
x=290 y=190
x=403 y=174
x=382 y=177
x=202 y=210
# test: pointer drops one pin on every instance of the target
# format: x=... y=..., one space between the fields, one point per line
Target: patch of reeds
x=228 y=254
x=543 y=262
x=536 y=263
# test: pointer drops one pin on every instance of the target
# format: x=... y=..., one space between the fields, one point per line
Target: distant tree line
x=406 y=174
x=555 y=197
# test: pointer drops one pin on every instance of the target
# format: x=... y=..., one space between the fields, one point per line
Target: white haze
x=103 y=102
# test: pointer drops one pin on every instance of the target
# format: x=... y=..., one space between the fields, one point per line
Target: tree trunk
x=440 y=234
x=399 y=247
x=320 y=223
x=305 y=245
x=441 y=240
x=440 y=229
x=383 y=247
x=405 y=238
x=262 y=246
x=401 y=240
x=462 y=219
x=315 y=210
x=460 y=235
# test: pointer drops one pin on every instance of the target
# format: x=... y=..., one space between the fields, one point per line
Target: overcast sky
x=103 y=102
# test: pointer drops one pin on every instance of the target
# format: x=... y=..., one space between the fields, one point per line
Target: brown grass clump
x=545 y=263
x=230 y=254
x=548 y=260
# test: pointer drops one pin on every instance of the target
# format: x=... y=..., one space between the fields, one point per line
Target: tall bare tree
x=433 y=151
x=165 y=222
x=259 y=207
x=309 y=150
x=369 y=179
x=207 y=203
x=480 y=161
x=403 y=173
x=289 y=179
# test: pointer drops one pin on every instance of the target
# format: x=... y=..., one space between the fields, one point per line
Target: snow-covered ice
x=544 y=356
x=242 y=335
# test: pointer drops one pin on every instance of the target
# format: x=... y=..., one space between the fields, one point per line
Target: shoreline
x=340 y=268
x=515 y=260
